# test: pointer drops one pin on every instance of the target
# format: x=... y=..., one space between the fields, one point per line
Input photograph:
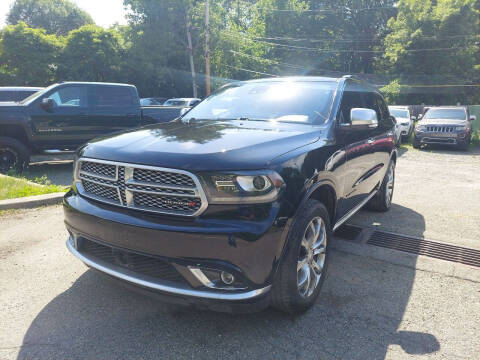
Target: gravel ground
x=53 y=307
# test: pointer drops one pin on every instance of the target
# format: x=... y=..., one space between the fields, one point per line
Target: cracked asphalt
x=53 y=307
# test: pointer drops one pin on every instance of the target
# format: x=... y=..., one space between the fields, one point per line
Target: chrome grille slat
x=440 y=129
x=140 y=187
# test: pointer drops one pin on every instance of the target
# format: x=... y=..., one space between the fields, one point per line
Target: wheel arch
x=16 y=132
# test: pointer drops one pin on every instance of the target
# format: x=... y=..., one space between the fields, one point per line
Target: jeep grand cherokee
x=232 y=206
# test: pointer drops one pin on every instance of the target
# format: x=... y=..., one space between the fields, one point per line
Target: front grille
x=141 y=264
x=441 y=129
x=166 y=191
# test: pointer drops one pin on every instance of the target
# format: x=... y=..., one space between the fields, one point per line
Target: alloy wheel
x=311 y=259
x=390 y=184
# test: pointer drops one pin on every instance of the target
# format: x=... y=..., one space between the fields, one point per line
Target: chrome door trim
x=354 y=210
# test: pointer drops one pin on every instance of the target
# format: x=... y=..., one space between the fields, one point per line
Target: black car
x=232 y=207
x=445 y=126
x=9 y=93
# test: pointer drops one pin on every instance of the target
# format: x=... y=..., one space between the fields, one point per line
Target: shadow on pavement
x=58 y=173
x=357 y=316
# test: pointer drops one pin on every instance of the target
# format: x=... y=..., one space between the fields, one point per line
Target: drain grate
x=426 y=247
x=348 y=232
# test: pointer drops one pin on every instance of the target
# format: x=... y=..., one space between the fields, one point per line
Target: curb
x=29 y=202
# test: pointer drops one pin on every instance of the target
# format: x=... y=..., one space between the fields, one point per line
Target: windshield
x=175 y=103
x=288 y=101
x=452 y=114
x=399 y=113
x=32 y=97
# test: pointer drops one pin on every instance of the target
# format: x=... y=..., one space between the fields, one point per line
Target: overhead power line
x=345 y=9
x=250 y=71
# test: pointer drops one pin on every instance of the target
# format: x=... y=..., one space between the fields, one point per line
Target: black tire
x=286 y=294
x=416 y=143
x=383 y=199
x=13 y=155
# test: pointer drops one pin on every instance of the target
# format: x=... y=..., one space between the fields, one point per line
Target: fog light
x=227 y=278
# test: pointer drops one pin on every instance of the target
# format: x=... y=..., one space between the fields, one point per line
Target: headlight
x=242 y=188
x=460 y=128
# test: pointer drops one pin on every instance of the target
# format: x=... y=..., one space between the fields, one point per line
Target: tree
x=434 y=42
x=55 y=16
x=91 y=53
x=28 y=56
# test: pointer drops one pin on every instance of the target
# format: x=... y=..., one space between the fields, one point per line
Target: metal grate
x=185 y=205
x=162 y=177
x=102 y=191
x=99 y=169
x=141 y=264
x=166 y=191
x=426 y=247
x=440 y=129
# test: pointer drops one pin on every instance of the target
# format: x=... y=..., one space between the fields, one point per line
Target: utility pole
x=190 y=54
x=207 y=47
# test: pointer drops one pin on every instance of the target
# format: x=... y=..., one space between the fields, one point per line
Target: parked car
x=8 y=93
x=404 y=120
x=444 y=125
x=65 y=116
x=232 y=207
x=158 y=101
x=187 y=102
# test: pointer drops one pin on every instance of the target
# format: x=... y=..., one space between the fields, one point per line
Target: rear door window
x=108 y=97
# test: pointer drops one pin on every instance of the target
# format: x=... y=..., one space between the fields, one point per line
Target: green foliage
x=13 y=187
x=28 y=56
x=91 y=53
x=449 y=25
x=55 y=16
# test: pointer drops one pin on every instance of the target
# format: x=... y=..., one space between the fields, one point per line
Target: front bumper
x=250 y=250
x=441 y=139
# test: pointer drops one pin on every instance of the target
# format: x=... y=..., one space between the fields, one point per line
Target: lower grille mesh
x=101 y=190
x=140 y=264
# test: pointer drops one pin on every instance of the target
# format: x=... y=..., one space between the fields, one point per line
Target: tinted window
x=7 y=96
x=113 y=97
x=75 y=96
x=287 y=101
x=353 y=97
x=453 y=114
x=175 y=103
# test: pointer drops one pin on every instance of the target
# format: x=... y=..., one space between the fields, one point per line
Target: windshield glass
x=288 y=101
x=399 y=113
x=453 y=114
x=32 y=97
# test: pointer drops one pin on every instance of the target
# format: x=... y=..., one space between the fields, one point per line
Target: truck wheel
x=13 y=155
x=383 y=198
x=464 y=145
x=302 y=271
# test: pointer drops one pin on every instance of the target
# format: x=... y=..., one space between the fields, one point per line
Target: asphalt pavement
x=53 y=307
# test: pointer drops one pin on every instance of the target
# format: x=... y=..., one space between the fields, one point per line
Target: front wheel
x=13 y=155
x=303 y=268
x=383 y=198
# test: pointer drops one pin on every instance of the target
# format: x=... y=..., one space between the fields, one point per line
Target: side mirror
x=413 y=118
x=47 y=104
x=363 y=119
x=473 y=118
x=419 y=116
x=184 y=111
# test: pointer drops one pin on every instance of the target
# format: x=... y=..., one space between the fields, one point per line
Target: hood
x=204 y=145
x=443 y=122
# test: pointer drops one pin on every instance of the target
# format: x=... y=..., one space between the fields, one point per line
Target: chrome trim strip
x=354 y=210
x=162 y=287
x=97 y=182
x=159 y=192
x=130 y=204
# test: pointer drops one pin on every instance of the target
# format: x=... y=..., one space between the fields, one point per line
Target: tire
x=290 y=293
x=383 y=198
x=13 y=155
x=416 y=143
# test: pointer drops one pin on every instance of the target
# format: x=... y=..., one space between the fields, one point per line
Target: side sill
x=354 y=210
x=138 y=280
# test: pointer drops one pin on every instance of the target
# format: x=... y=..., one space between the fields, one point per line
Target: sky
x=103 y=12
